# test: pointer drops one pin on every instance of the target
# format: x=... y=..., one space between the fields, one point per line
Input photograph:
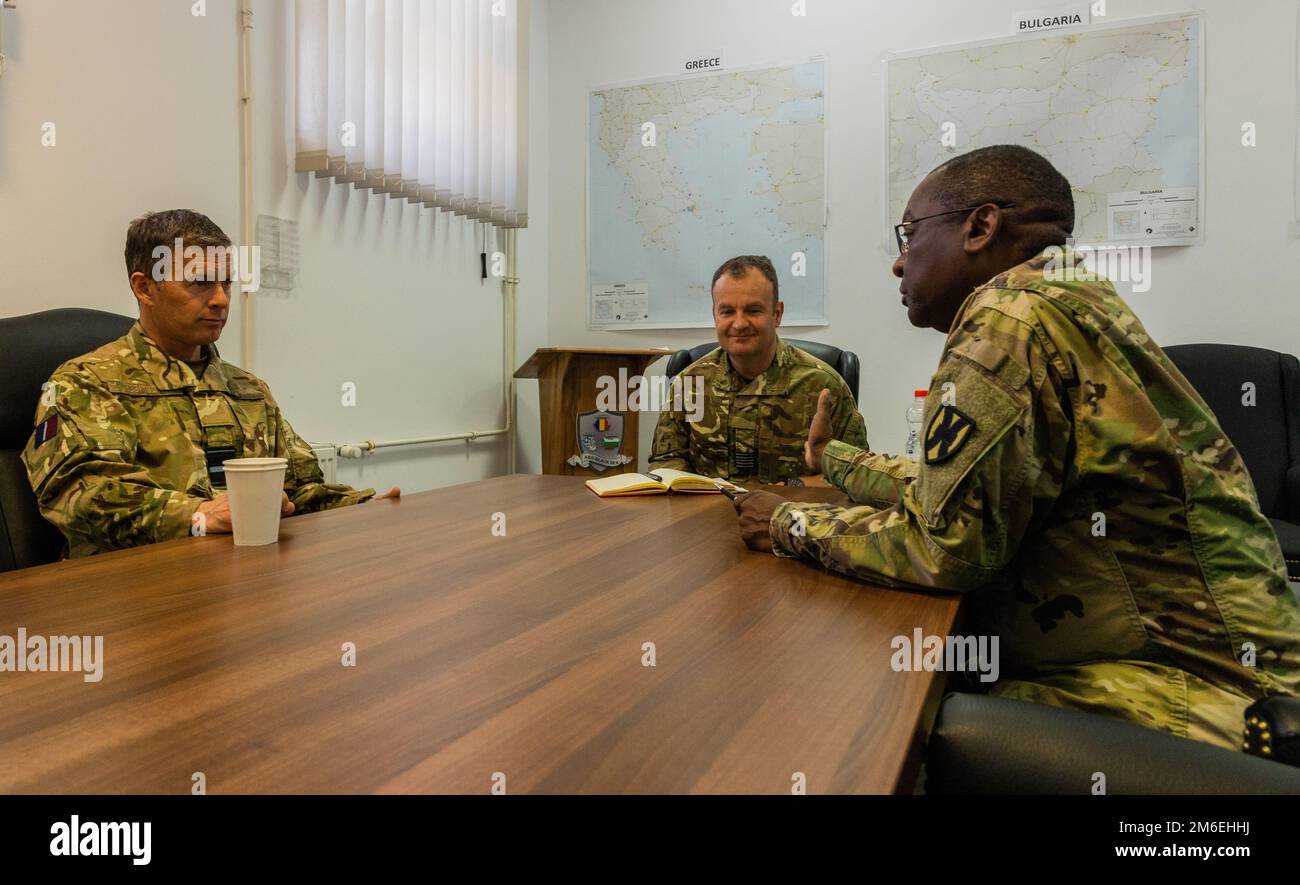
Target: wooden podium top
x=543 y=355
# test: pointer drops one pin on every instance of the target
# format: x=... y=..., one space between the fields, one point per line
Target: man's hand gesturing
x=819 y=433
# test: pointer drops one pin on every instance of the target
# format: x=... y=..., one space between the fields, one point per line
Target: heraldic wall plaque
x=600 y=441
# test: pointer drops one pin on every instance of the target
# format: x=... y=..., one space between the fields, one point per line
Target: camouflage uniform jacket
x=754 y=430
x=1083 y=493
x=117 y=459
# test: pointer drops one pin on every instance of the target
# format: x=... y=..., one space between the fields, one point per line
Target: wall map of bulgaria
x=1115 y=107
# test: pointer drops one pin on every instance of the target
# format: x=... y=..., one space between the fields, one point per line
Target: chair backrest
x=1267 y=434
x=31 y=348
x=844 y=362
x=991 y=745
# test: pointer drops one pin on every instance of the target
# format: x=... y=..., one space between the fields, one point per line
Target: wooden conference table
x=475 y=654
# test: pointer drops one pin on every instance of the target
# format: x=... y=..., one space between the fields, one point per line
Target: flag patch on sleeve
x=47 y=429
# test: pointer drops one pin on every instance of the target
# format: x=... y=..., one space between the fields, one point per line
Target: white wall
x=145 y=97
x=1240 y=287
x=146 y=115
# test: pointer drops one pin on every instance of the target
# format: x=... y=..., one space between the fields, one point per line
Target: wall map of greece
x=736 y=166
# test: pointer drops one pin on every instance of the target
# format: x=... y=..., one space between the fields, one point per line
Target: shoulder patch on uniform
x=47 y=429
x=948 y=431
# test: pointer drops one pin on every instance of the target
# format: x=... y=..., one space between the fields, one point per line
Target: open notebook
x=659 y=482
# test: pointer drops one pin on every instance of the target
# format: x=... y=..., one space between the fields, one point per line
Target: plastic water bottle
x=914 y=417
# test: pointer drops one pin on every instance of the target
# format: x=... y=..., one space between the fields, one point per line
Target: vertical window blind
x=423 y=100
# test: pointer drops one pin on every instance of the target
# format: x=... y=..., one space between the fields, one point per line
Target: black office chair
x=31 y=348
x=990 y=745
x=1266 y=434
x=845 y=362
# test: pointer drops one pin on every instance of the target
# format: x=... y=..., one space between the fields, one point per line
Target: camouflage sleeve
x=846 y=421
x=81 y=465
x=960 y=522
x=304 y=482
x=671 y=447
x=867 y=477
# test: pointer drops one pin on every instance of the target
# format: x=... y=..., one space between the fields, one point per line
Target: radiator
x=325 y=454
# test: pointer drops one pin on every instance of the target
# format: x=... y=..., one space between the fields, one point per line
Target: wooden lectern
x=574 y=433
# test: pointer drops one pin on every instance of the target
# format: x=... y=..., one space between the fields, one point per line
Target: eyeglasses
x=900 y=230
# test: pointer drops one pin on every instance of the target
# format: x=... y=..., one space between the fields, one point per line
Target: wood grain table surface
x=479 y=657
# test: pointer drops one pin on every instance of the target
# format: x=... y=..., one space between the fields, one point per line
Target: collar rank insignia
x=948 y=431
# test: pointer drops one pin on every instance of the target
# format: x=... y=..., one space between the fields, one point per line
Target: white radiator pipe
x=3 y=6
x=246 y=298
x=357 y=450
x=509 y=286
x=509 y=289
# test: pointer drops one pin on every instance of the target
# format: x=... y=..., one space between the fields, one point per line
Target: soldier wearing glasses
x=1071 y=481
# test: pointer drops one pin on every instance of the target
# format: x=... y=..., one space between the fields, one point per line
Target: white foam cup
x=255 y=485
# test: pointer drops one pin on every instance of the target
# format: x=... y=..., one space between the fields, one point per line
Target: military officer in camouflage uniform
x=129 y=439
x=1072 y=480
x=759 y=392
